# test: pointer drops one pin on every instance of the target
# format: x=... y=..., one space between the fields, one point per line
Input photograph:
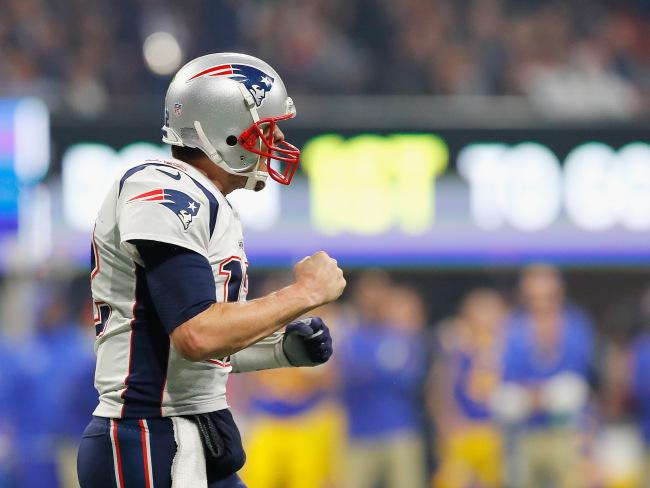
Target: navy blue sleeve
x=180 y=282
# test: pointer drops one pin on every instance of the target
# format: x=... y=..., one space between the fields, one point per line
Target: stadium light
x=162 y=53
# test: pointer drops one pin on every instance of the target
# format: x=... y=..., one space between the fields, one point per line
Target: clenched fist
x=320 y=278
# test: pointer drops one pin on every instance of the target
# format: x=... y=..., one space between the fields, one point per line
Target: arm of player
x=226 y=328
x=182 y=289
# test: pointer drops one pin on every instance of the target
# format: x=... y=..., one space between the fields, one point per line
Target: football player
x=169 y=282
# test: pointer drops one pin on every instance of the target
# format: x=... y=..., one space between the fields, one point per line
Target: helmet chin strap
x=208 y=148
x=253 y=176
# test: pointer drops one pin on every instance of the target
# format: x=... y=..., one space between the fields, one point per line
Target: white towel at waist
x=188 y=467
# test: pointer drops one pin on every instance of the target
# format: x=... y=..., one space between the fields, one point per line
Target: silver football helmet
x=227 y=105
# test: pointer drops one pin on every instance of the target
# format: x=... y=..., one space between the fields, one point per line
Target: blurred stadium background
x=480 y=167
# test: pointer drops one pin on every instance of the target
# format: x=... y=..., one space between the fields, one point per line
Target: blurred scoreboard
x=429 y=198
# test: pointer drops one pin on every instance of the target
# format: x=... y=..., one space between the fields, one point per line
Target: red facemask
x=284 y=153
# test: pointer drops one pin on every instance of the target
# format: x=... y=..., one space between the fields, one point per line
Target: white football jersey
x=139 y=374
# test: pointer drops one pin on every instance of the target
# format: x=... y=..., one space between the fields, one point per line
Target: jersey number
x=101 y=314
x=235 y=272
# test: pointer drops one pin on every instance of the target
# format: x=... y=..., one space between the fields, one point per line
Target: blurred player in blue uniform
x=548 y=364
x=12 y=386
x=51 y=356
x=169 y=284
x=383 y=365
x=639 y=386
x=295 y=435
x=465 y=375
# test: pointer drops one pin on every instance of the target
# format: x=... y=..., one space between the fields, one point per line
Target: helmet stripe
x=212 y=70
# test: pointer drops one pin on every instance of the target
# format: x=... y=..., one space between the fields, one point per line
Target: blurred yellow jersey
x=296 y=433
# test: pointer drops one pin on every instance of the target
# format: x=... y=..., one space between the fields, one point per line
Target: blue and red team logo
x=178 y=202
x=256 y=81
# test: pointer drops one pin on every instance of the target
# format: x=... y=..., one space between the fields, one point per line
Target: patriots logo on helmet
x=255 y=80
x=178 y=202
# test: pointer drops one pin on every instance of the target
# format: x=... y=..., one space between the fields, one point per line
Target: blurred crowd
x=517 y=388
x=569 y=57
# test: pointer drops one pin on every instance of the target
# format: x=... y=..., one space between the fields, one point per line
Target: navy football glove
x=307 y=342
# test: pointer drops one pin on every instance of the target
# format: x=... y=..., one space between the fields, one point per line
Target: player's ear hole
x=231 y=140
